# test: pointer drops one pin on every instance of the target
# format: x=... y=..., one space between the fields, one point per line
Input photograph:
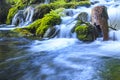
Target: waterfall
x=47 y=1
x=23 y=17
x=69 y=21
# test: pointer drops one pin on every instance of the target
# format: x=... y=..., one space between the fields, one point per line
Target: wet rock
x=41 y=10
x=100 y=20
x=83 y=16
x=85 y=31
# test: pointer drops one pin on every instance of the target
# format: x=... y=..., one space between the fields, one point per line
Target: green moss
x=33 y=27
x=49 y=20
x=40 y=26
x=85 y=31
x=13 y=11
x=22 y=32
x=63 y=4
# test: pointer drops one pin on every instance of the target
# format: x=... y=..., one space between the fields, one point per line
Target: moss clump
x=49 y=20
x=71 y=4
x=40 y=26
x=85 y=31
x=13 y=11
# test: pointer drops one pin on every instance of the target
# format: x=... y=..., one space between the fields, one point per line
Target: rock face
x=100 y=20
x=4 y=7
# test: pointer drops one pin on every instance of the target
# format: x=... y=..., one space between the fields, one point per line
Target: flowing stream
x=63 y=57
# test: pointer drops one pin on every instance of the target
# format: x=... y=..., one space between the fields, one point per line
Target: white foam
x=112 y=46
x=52 y=44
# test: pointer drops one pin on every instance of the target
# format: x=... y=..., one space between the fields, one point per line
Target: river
x=60 y=58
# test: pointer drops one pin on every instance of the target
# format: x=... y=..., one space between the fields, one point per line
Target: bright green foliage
x=13 y=11
x=49 y=20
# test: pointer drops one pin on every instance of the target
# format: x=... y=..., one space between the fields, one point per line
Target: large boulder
x=4 y=8
x=85 y=31
x=100 y=20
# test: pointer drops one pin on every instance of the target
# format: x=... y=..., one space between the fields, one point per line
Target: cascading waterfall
x=69 y=21
x=23 y=17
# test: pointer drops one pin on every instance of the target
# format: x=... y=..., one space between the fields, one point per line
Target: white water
x=23 y=17
x=47 y=2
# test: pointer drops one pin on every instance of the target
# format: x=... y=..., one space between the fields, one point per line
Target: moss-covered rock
x=43 y=9
x=4 y=8
x=33 y=27
x=85 y=32
x=47 y=23
x=49 y=20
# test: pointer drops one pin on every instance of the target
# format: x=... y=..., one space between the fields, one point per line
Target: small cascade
x=23 y=17
x=66 y=30
x=68 y=22
x=47 y=1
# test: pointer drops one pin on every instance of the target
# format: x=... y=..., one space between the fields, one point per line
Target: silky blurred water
x=59 y=59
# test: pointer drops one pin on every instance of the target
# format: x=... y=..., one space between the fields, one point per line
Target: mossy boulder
x=85 y=32
x=4 y=8
x=13 y=11
x=50 y=20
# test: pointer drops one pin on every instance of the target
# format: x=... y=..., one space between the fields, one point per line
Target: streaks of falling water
x=23 y=17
